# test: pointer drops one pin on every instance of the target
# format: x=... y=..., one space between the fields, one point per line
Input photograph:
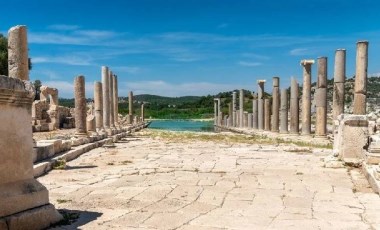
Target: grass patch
x=59 y=164
x=68 y=218
x=62 y=201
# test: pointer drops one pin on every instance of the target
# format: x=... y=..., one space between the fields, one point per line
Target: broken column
x=105 y=91
x=306 y=97
x=276 y=104
x=321 y=99
x=130 y=110
x=241 y=108
x=18 y=60
x=24 y=202
x=234 y=109
x=267 y=112
x=294 y=107
x=284 y=111
x=230 y=112
x=360 y=96
x=339 y=80
x=80 y=107
x=260 y=104
x=98 y=101
x=111 y=100
x=115 y=101
x=254 y=112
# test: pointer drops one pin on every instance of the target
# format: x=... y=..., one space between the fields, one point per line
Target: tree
x=3 y=55
x=37 y=86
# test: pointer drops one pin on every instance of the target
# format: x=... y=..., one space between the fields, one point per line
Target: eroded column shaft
x=294 y=107
x=267 y=112
x=260 y=102
x=360 y=96
x=98 y=101
x=284 y=111
x=276 y=104
x=321 y=98
x=339 y=81
x=18 y=61
x=241 y=108
x=306 y=97
x=80 y=106
x=106 y=104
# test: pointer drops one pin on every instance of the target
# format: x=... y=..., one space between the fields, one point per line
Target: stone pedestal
x=352 y=138
x=254 y=114
x=260 y=103
x=284 y=112
x=276 y=104
x=321 y=99
x=339 y=80
x=24 y=202
x=360 y=96
x=373 y=155
x=294 y=108
x=306 y=97
x=267 y=112
x=80 y=107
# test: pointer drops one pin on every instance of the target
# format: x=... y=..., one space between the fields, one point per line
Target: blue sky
x=189 y=47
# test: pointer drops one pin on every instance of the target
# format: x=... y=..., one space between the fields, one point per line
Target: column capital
x=307 y=62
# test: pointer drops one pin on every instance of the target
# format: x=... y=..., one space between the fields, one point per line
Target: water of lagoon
x=183 y=125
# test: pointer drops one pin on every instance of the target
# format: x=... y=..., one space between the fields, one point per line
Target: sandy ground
x=154 y=182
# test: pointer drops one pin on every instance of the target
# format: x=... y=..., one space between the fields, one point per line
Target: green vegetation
x=3 y=55
x=59 y=164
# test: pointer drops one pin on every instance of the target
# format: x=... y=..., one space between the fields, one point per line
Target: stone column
x=254 y=114
x=18 y=61
x=276 y=104
x=220 y=118
x=234 y=109
x=245 y=117
x=284 y=111
x=130 y=110
x=267 y=113
x=260 y=99
x=215 y=112
x=250 y=120
x=360 y=96
x=115 y=101
x=98 y=101
x=24 y=202
x=142 y=113
x=241 y=108
x=80 y=107
x=111 y=101
x=294 y=108
x=339 y=80
x=230 y=111
x=321 y=98
x=306 y=97
x=106 y=104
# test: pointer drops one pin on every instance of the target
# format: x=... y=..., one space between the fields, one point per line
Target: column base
x=322 y=137
x=81 y=134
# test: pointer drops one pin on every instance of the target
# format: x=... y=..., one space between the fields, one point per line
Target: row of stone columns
x=273 y=114
x=105 y=100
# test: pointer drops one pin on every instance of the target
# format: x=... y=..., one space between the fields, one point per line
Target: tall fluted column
x=254 y=114
x=321 y=98
x=98 y=101
x=339 y=80
x=260 y=99
x=234 y=109
x=276 y=104
x=241 y=108
x=80 y=107
x=115 y=101
x=18 y=61
x=106 y=92
x=294 y=107
x=284 y=111
x=360 y=96
x=267 y=114
x=306 y=97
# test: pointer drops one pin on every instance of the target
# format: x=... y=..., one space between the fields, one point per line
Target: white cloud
x=300 y=52
x=127 y=69
x=63 y=27
x=249 y=64
x=163 y=88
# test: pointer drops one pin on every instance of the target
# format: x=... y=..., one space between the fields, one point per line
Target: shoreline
x=192 y=119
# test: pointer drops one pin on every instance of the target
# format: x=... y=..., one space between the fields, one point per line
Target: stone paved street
x=152 y=183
